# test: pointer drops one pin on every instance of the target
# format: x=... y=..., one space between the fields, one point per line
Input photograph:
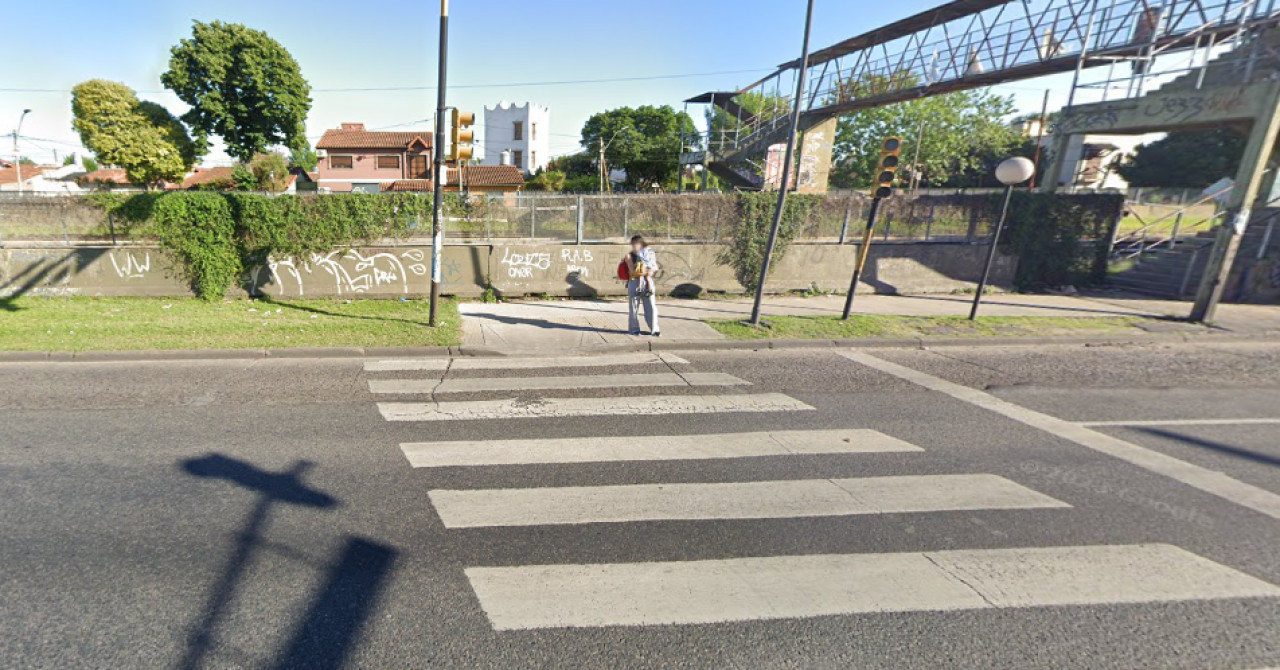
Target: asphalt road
x=262 y=513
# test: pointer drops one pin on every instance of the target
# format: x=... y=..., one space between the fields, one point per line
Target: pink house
x=355 y=159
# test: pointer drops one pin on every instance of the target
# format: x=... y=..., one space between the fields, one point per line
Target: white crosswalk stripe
x=502 y=363
x=654 y=448
x=748 y=500
x=549 y=383
x=518 y=408
x=691 y=592
x=517 y=597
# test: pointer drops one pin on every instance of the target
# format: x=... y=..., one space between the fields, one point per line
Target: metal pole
x=437 y=214
x=786 y=165
x=991 y=254
x=1044 y=111
x=578 y=235
x=863 y=251
x=844 y=227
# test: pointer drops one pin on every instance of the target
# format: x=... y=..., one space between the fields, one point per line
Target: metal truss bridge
x=968 y=44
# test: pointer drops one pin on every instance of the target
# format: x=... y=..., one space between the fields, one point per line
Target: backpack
x=623 y=273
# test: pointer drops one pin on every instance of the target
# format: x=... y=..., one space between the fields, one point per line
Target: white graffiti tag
x=131 y=267
x=523 y=265
x=352 y=272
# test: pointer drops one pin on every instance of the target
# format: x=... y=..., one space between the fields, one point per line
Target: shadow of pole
x=272 y=487
x=324 y=638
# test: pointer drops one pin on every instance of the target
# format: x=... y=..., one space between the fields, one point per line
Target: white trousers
x=650 y=303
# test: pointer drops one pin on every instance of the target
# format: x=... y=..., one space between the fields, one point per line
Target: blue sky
x=392 y=43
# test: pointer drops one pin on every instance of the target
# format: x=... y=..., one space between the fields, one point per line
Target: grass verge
x=880 y=326
x=87 y=324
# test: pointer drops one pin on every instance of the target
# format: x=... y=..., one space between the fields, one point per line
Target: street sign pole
x=437 y=200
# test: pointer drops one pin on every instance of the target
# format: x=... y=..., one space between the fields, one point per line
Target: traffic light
x=887 y=167
x=461 y=149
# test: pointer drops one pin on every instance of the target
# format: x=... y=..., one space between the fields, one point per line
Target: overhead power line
x=370 y=89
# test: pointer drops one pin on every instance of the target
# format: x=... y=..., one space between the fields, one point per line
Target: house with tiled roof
x=355 y=159
x=473 y=179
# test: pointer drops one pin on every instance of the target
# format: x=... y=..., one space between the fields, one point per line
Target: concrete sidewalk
x=583 y=325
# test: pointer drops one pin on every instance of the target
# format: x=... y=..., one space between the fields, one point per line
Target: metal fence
x=588 y=219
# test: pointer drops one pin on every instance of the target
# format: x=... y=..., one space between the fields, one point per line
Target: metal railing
x=1138 y=234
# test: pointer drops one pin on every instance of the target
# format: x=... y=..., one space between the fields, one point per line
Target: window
x=341 y=162
x=533 y=159
x=388 y=162
x=517 y=130
x=517 y=158
x=533 y=132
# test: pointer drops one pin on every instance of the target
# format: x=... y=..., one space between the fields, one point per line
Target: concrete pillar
x=1262 y=137
x=813 y=162
x=1058 y=147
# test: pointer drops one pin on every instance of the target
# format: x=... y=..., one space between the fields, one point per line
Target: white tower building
x=522 y=130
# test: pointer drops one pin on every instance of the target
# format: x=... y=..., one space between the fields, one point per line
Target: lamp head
x=1015 y=170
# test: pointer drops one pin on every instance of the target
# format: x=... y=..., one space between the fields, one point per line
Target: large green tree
x=644 y=141
x=242 y=86
x=1186 y=159
x=957 y=132
x=141 y=137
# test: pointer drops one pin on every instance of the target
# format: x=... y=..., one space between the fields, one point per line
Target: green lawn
x=879 y=326
x=86 y=324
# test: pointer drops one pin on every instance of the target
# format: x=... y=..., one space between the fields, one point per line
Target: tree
x=270 y=172
x=141 y=137
x=90 y=165
x=242 y=86
x=546 y=180
x=1185 y=159
x=644 y=141
x=958 y=130
x=763 y=106
x=304 y=156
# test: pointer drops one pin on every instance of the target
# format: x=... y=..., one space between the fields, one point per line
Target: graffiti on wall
x=576 y=261
x=349 y=272
x=523 y=266
x=130 y=264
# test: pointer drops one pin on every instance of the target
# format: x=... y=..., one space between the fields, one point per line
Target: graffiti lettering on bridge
x=1178 y=109
x=521 y=266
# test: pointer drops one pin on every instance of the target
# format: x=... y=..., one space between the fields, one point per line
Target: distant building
x=475 y=179
x=355 y=159
x=522 y=130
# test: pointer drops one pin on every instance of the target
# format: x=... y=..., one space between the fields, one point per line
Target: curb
x=624 y=347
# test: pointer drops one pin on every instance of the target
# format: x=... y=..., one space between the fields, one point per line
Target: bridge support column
x=1262 y=138
x=813 y=167
x=1057 y=150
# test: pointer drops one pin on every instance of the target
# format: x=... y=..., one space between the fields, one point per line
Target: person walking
x=642 y=263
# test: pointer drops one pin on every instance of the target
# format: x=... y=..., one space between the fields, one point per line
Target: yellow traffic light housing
x=463 y=136
x=887 y=166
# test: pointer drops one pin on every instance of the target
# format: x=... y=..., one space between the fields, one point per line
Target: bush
x=1059 y=239
x=745 y=253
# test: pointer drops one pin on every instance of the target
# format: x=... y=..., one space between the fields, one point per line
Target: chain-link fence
x=588 y=219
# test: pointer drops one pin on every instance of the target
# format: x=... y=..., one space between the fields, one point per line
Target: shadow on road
x=1214 y=446
x=324 y=634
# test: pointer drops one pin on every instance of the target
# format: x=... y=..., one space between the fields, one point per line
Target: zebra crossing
x=740 y=588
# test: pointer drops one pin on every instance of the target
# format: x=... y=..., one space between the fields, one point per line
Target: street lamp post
x=17 y=160
x=1010 y=172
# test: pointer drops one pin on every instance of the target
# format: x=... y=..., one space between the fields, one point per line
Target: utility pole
x=603 y=176
x=17 y=159
x=437 y=200
x=785 y=182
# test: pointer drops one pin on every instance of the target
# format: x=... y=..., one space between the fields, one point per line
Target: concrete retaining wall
x=512 y=269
